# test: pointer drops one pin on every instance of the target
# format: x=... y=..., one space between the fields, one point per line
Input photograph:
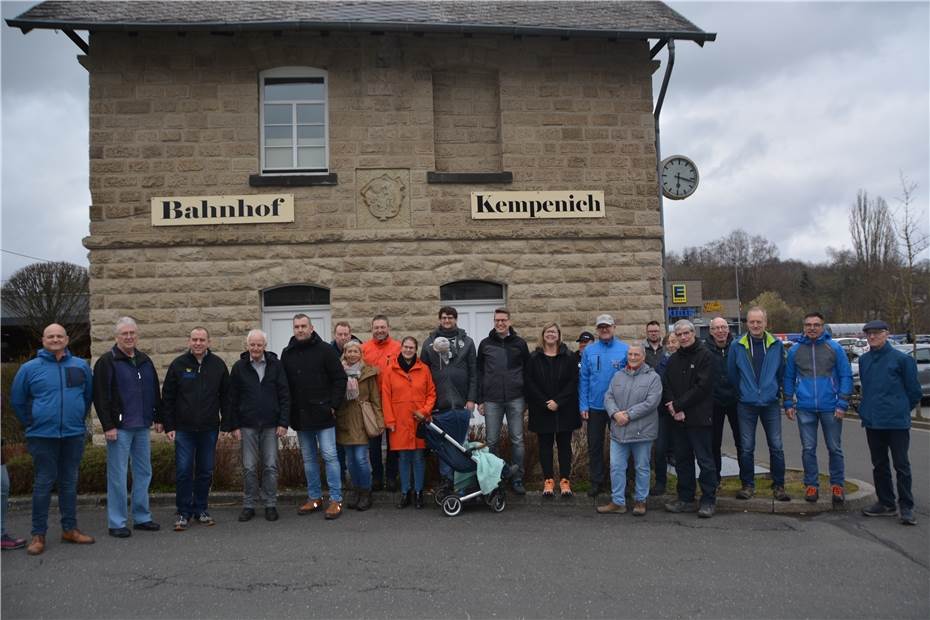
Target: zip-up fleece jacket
x=599 y=362
x=768 y=388
x=125 y=391
x=317 y=382
x=689 y=384
x=724 y=392
x=817 y=375
x=254 y=403
x=195 y=395
x=890 y=389
x=500 y=367
x=52 y=397
x=638 y=392
x=456 y=381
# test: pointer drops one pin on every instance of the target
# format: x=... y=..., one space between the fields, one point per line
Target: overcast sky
x=794 y=108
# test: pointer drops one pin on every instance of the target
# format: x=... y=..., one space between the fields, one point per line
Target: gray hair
x=256 y=332
x=683 y=324
x=758 y=309
x=638 y=344
x=124 y=320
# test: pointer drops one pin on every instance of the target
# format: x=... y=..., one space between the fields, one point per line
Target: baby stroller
x=478 y=472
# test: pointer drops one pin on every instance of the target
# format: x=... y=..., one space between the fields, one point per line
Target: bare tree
x=910 y=228
x=872 y=232
x=53 y=292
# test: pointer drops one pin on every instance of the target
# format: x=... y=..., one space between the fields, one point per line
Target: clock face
x=679 y=177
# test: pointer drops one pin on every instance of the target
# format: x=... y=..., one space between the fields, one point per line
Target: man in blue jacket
x=818 y=383
x=599 y=361
x=890 y=390
x=756 y=366
x=51 y=396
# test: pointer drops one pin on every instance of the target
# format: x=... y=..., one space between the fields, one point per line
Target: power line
x=44 y=260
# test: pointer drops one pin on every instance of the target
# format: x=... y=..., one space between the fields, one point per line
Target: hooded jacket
x=599 y=362
x=254 y=403
x=350 y=427
x=126 y=390
x=817 y=375
x=890 y=388
x=500 y=367
x=724 y=392
x=316 y=380
x=195 y=396
x=402 y=393
x=689 y=384
x=637 y=392
x=380 y=354
x=768 y=389
x=456 y=380
x=552 y=378
x=52 y=397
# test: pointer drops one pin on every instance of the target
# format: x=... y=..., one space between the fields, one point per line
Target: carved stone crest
x=384 y=196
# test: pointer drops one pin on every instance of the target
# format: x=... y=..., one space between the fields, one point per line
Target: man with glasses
x=599 y=361
x=654 y=349
x=688 y=396
x=818 y=383
x=890 y=390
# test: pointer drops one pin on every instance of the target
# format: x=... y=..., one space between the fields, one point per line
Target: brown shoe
x=37 y=546
x=311 y=505
x=611 y=509
x=639 y=509
x=334 y=510
x=77 y=537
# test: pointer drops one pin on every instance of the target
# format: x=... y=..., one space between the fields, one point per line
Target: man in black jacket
x=502 y=356
x=259 y=404
x=194 y=402
x=317 y=384
x=689 y=398
x=450 y=355
x=725 y=396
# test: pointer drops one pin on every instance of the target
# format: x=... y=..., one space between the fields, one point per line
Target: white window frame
x=294 y=72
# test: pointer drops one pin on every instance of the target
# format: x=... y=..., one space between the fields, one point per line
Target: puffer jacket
x=768 y=389
x=254 y=403
x=637 y=392
x=689 y=384
x=195 y=396
x=500 y=367
x=317 y=382
x=817 y=375
x=350 y=428
x=555 y=379
x=52 y=397
x=890 y=388
x=402 y=393
x=456 y=381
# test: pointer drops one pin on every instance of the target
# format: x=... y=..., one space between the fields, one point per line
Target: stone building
x=352 y=154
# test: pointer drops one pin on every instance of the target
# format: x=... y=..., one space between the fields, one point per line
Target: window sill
x=469 y=177
x=292 y=180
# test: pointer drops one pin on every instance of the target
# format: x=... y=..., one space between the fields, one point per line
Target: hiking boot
x=364 y=500
x=246 y=514
x=639 y=509
x=8 y=543
x=548 y=487
x=681 y=506
x=746 y=492
x=37 y=545
x=707 y=510
x=311 y=505
x=780 y=494
x=611 y=509
x=334 y=510
x=76 y=537
x=839 y=494
x=352 y=499
x=518 y=488
x=878 y=509
x=657 y=490
x=271 y=513
x=907 y=517
x=811 y=494
x=565 y=487
x=405 y=500
x=181 y=523
x=204 y=518
x=418 y=500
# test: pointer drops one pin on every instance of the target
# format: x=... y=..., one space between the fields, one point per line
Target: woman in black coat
x=551 y=386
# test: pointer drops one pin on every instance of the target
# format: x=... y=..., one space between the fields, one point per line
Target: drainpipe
x=658 y=111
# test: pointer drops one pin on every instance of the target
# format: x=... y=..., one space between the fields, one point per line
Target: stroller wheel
x=451 y=505
x=498 y=501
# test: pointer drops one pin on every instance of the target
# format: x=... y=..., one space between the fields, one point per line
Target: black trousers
x=564 y=441
x=598 y=421
x=897 y=442
x=374 y=456
x=695 y=442
x=723 y=414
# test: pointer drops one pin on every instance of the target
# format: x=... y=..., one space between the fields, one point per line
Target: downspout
x=658 y=111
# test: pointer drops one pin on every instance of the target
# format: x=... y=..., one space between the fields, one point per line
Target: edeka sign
x=536 y=205
x=203 y=210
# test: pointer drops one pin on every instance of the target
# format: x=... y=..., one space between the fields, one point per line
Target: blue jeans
x=312 y=443
x=494 y=414
x=358 y=466
x=194 y=454
x=4 y=499
x=619 y=456
x=55 y=459
x=130 y=445
x=832 y=436
x=770 y=416
x=897 y=442
x=416 y=458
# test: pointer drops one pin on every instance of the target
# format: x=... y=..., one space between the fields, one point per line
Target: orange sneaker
x=548 y=487
x=839 y=494
x=565 y=487
x=811 y=494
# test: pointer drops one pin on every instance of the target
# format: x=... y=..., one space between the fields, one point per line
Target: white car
x=923 y=366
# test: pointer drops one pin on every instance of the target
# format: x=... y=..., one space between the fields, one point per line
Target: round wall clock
x=679 y=177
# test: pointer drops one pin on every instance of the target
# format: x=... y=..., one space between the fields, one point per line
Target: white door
x=476 y=317
x=278 y=321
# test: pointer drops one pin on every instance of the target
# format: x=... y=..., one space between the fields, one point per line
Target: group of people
x=343 y=398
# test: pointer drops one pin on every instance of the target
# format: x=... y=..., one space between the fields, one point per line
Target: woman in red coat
x=407 y=388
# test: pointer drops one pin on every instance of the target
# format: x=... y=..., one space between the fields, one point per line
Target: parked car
x=923 y=366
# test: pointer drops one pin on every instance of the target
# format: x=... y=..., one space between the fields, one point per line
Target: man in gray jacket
x=450 y=355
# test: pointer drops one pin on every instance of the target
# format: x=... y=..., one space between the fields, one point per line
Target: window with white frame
x=294 y=131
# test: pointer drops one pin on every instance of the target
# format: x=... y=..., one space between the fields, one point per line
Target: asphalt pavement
x=529 y=561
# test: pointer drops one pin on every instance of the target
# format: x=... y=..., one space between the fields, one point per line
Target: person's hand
x=159 y=428
x=624 y=418
x=551 y=405
x=111 y=434
x=670 y=407
x=838 y=414
x=584 y=415
x=237 y=435
x=481 y=408
x=789 y=413
x=170 y=435
x=679 y=417
x=470 y=405
x=281 y=432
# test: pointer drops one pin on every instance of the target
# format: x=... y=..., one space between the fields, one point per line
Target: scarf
x=353 y=373
x=404 y=364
